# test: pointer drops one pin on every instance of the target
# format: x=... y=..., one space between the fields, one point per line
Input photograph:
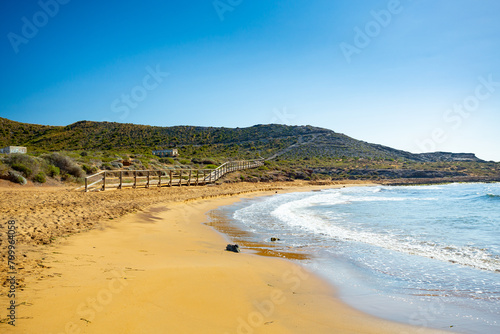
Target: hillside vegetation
x=292 y=152
x=259 y=140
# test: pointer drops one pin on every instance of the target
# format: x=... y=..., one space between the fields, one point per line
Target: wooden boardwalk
x=118 y=179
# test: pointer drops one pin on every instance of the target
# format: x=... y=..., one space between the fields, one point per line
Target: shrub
x=167 y=161
x=185 y=161
x=53 y=171
x=106 y=166
x=117 y=164
x=211 y=166
x=23 y=163
x=66 y=164
x=22 y=168
x=40 y=177
x=4 y=169
x=21 y=158
x=67 y=177
x=16 y=177
x=144 y=162
x=89 y=169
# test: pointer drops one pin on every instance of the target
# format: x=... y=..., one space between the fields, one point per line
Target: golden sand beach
x=146 y=263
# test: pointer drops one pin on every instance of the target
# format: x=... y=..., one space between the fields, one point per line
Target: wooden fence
x=171 y=177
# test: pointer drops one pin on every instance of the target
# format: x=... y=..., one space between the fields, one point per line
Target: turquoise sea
x=422 y=255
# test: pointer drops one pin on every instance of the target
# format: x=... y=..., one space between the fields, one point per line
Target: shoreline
x=139 y=258
x=463 y=312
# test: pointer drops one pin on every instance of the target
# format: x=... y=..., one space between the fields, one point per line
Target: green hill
x=267 y=141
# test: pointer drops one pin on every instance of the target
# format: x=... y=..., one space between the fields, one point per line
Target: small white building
x=167 y=153
x=13 y=149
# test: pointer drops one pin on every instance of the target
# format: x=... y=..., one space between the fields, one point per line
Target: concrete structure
x=166 y=153
x=13 y=149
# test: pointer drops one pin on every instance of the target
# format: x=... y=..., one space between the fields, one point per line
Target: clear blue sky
x=414 y=75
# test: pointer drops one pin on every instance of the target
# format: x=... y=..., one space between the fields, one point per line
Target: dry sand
x=160 y=270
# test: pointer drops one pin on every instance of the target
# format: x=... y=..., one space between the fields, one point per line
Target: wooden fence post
x=189 y=180
x=170 y=181
x=159 y=179
x=86 y=185
x=180 y=177
x=104 y=181
x=147 y=179
x=121 y=180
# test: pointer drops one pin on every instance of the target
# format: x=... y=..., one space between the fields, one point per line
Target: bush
x=145 y=162
x=40 y=177
x=4 y=169
x=21 y=158
x=68 y=178
x=117 y=164
x=53 y=171
x=211 y=166
x=66 y=164
x=89 y=169
x=106 y=166
x=166 y=161
x=23 y=163
x=185 y=161
x=17 y=178
x=23 y=169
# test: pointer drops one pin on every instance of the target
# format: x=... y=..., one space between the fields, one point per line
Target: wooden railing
x=232 y=166
x=172 y=177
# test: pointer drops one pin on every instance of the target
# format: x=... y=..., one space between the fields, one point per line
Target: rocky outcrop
x=449 y=157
